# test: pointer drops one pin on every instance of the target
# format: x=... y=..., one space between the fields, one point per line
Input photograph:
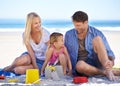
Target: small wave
x=62 y=30
x=11 y=29
x=109 y=28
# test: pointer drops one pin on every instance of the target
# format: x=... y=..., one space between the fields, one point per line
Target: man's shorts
x=93 y=62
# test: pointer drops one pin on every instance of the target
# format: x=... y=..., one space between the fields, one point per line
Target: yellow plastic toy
x=12 y=80
x=52 y=68
x=32 y=75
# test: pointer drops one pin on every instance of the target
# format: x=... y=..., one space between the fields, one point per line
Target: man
x=89 y=50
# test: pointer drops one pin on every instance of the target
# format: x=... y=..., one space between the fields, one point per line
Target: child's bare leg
x=62 y=60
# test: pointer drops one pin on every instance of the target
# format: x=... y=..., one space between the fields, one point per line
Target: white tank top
x=40 y=49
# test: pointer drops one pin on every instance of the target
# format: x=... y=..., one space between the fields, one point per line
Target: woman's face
x=36 y=24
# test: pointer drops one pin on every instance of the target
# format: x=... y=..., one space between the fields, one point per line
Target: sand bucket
x=80 y=79
x=59 y=70
x=32 y=76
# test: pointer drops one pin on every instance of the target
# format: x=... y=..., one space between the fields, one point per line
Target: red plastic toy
x=2 y=77
x=78 y=80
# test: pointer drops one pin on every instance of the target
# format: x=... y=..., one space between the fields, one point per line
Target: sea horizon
x=19 y=24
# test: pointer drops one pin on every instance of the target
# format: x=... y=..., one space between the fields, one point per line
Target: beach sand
x=11 y=46
x=114 y=42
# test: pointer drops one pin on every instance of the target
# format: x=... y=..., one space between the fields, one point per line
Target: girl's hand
x=69 y=73
x=42 y=74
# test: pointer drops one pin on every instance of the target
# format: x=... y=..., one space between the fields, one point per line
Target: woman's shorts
x=39 y=62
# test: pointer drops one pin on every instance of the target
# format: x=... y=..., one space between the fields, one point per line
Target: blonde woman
x=35 y=39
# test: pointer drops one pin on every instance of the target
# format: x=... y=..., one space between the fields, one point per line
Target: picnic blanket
x=13 y=79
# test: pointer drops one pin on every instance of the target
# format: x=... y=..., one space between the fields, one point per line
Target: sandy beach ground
x=11 y=46
x=114 y=42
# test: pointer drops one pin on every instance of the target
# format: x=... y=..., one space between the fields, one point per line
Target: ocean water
x=58 y=25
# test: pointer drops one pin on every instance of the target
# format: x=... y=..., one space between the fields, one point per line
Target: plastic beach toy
x=2 y=77
x=78 y=80
x=13 y=80
x=32 y=75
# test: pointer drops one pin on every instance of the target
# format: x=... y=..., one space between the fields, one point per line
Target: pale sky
x=60 y=9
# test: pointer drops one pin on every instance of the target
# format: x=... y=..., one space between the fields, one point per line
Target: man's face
x=81 y=27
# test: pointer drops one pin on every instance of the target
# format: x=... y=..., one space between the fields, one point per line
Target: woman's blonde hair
x=27 y=33
x=54 y=37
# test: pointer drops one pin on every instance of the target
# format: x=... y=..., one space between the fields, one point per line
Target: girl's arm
x=32 y=55
x=68 y=61
x=47 y=59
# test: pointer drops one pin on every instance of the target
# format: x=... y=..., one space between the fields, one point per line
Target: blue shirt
x=72 y=44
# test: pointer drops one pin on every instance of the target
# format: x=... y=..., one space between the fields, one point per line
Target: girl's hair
x=54 y=37
x=29 y=21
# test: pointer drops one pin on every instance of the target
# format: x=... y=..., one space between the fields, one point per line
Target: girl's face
x=59 y=42
x=36 y=24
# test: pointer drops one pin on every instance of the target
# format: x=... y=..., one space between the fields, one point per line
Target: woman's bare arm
x=32 y=55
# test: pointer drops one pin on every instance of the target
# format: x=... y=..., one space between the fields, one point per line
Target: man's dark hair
x=80 y=16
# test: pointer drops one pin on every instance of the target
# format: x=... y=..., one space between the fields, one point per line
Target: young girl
x=57 y=54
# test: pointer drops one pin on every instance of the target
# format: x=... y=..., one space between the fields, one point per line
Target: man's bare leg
x=83 y=67
x=99 y=48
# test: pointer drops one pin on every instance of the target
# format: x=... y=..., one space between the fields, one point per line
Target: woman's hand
x=36 y=67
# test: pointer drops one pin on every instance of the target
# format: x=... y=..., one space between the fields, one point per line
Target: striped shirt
x=72 y=44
